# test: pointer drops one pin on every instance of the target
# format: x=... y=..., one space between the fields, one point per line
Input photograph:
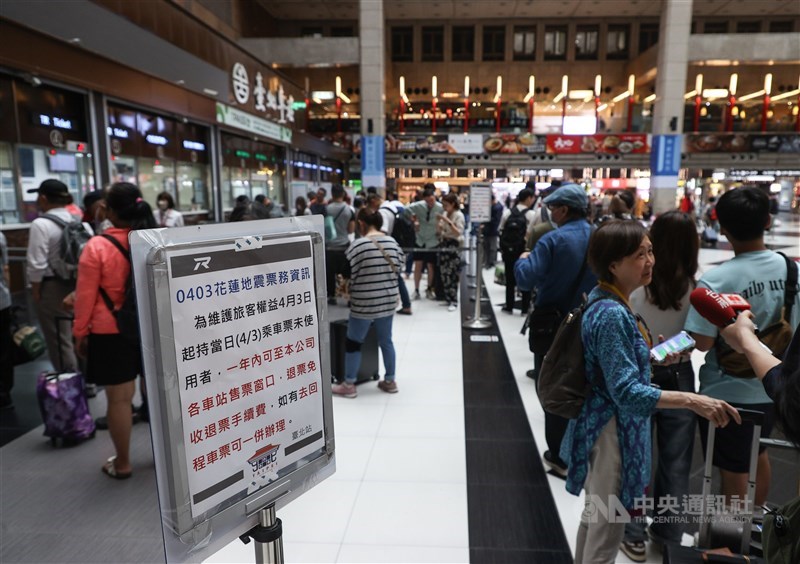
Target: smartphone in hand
x=676 y=344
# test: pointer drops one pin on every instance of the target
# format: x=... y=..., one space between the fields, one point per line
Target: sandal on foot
x=109 y=469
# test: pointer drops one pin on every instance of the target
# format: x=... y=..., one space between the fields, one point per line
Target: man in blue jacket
x=556 y=269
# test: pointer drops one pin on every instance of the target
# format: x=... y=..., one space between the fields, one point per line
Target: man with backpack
x=557 y=269
x=55 y=240
x=342 y=220
x=513 y=227
x=401 y=230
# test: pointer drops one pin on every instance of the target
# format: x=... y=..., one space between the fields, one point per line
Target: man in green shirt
x=424 y=214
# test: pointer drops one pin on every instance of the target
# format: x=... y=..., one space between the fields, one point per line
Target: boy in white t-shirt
x=759 y=276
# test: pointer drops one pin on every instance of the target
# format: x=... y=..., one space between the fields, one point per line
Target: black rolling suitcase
x=369 y=353
x=732 y=530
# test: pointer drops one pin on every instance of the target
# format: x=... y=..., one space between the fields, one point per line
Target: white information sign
x=466 y=143
x=480 y=203
x=252 y=124
x=248 y=358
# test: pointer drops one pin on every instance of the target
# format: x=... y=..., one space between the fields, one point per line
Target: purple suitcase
x=65 y=411
x=62 y=402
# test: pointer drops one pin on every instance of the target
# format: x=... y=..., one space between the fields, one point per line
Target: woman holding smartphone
x=664 y=305
x=608 y=446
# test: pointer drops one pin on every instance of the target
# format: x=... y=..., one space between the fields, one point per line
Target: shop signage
x=274 y=101
x=742 y=143
x=445 y=160
x=118 y=132
x=620 y=144
x=156 y=139
x=54 y=121
x=193 y=145
x=252 y=124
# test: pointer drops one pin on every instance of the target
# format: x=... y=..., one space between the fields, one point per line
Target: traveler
x=6 y=342
x=50 y=284
x=451 y=236
x=664 y=305
x=300 y=207
x=424 y=214
x=94 y=211
x=318 y=207
x=344 y=224
x=556 y=268
x=513 y=227
x=608 y=446
x=111 y=360
x=241 y=210
x=166 y=215
x=375 y=261
x=390 y=209
x=759 y=276
x=491 y=234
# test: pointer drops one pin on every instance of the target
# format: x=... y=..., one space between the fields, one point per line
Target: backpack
x=330 y=224
x=403 y=231
x=74 y=237
x=781 y=534
x=512 y=239
x=127 y=316
x=563 y=384
x=776 y=336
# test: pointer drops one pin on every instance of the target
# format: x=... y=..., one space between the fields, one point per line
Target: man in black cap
x=50 y=284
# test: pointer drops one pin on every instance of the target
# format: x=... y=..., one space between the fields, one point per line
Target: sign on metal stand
x=236 y=360
x=480 y=208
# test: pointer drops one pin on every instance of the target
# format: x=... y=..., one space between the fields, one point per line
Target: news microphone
x=714 y=307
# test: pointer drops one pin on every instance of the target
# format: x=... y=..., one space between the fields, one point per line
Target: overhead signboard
x=665 y=160
x=252 y=124
x=237 y=366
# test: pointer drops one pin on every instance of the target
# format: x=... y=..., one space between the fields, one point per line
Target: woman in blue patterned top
x=607 y=448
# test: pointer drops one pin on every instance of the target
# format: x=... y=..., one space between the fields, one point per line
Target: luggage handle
x=757 y=418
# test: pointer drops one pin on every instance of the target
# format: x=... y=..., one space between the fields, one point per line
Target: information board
x=235 y=350
x=480 y=202
x=248 y=364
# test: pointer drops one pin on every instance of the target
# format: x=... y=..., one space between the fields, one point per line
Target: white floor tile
x=380 y=553
x=354 y=419
x=321 y=514
x=418 y=460
x=309 y=552
x=427 y=391
x=409 y=514
x=442 y=421
x=352 y=456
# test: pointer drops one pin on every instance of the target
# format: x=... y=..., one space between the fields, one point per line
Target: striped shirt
x=373 y=283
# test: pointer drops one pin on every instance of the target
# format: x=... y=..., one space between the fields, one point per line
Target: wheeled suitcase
x=369 y=353
x=63 y=404
x=730 y=529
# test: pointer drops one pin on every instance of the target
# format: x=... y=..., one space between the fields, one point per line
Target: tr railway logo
x=201 y=261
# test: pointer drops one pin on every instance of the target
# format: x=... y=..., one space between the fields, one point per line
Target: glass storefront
x=8 y=193
x=161 y=155
x=252 y=168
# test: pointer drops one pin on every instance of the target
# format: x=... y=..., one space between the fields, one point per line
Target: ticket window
x=9 y=210
x=37 y=164
x=124 y=169
x=193 y=183
x=235 y=183
x=156 y=176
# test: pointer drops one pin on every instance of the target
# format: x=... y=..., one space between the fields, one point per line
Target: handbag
x=776 y=336
x=28 y=344
x=543 y=322
x=330 y=225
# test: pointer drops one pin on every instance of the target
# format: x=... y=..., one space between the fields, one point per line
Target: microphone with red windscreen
x=719 y=309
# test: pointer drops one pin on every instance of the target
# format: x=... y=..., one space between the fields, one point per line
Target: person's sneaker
x=345 y=390
x=404 y=311
x=430 y=294
x=90 y=390
x=555 y=464
x=635 y=550
x=6 y=403
x=416 y=295
x=531 y=374
x=452 y=307
x=388 y=387
x=507 y=309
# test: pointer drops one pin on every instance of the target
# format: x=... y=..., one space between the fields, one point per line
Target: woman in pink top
x=111 y=360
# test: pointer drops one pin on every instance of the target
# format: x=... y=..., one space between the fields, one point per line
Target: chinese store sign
x=248 y=362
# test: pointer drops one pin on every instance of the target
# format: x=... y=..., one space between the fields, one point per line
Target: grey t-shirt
x=342 y=214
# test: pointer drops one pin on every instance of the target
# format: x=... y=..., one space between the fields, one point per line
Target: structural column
x=373 y=127
x=673 y=56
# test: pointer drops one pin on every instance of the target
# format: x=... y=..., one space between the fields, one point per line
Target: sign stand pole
x=472 y=262
x=476 y=322
x=268 y=535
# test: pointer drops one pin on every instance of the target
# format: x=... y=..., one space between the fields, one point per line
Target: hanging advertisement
x=618 y=144
x=742 y=143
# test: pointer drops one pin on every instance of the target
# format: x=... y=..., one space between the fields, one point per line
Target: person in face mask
x=94 y=211
x=166 y=215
